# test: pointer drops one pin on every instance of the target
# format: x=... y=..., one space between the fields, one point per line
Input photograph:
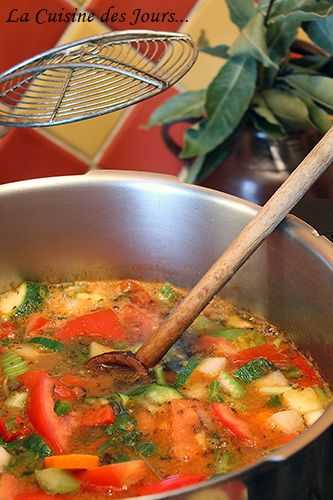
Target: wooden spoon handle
x=239 y=250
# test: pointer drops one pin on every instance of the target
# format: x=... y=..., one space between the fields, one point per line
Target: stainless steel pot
x=152 y=227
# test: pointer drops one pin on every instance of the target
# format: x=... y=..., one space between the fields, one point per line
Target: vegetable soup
x=231 y=390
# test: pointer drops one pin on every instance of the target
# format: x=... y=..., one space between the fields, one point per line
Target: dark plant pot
x=257 y=166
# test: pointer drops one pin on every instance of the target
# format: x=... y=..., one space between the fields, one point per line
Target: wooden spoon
x=238 y=251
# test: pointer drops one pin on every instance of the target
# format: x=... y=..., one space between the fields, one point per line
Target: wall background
x=119 y=140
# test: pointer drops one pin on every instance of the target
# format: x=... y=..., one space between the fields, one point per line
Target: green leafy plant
x=263 y=83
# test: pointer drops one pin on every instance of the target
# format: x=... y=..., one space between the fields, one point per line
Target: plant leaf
x=290 y=109
x=252 y=42
x=261 y=108
x=319 y=118
x=262 y=125
x=228 y=98
x=194 y=169
x=318 y=88
x=180 y=107
x=321 y=32
x=217 y=51
x=280 y=37
x=241 y=11
x=215 y=159
x=301 y=10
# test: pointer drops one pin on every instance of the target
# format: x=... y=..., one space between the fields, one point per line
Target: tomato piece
x=62 y=391
x=115 y=475
x=218 y=345
x=7 y=329
x=9 y=487
x=267 y=351
x=35 y=323
x=103 y=324
x=21 y=430
x=103 y=415
x=171 y=483
x=138 y=322
x=138 y=293
x=224 y=415
x=185 y=423
x=40 y=408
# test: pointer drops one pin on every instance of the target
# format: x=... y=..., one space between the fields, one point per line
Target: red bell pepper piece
x=224 y=415
x=171 y=483
x=53 y=429
x=103 y=415
x=120 y=475
x=35 y=323
x=21 y=430
x=103 y=324
x=267 y=351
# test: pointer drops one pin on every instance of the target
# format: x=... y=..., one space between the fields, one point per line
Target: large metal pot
x=152 y=227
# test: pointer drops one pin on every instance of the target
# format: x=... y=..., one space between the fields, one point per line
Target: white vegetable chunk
x=212 y=366
x=302 y=400
x=279 y=389
x=272 y=380
x=312 y=417
x=4 y=459
x=288 y=421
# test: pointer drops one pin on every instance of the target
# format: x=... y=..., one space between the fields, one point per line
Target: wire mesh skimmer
x=92 y=77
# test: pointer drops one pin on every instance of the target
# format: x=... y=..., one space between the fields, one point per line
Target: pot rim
x=305 y=234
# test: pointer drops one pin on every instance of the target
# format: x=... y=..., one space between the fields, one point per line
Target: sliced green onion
x=167 y=293
x=13 y=365
x=47 y=343
x=147 y=449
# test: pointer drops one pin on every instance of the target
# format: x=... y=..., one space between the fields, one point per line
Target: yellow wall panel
x=212 y=16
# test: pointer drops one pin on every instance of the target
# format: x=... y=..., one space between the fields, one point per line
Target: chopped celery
x=186 y=372
x=17 y=400
x=214 y=392
x=13 y=365
x=231 y=386
x=47 y=343
x=159 y=375
x=253 y=370
x=57 y=481
x=167 y=293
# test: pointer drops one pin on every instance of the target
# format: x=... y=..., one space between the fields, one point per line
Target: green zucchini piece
x=254 y=369
x=56 y=481
x=12 y=364
x=231 y=386
x=24 y=300
x=154 y=395
x=47 y=343
x=186 y=372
